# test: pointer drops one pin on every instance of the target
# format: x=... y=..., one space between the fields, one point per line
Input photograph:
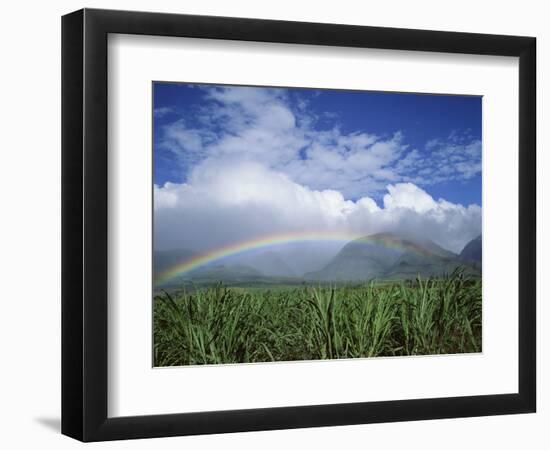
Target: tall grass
x=225 y=325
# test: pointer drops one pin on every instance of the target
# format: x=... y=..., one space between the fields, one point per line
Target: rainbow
x=233 y=249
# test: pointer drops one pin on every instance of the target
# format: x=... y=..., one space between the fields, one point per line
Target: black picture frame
x=84 y=224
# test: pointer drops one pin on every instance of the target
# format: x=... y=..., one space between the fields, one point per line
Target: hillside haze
x=389 y=256
x=472 y=251
x=382 y=256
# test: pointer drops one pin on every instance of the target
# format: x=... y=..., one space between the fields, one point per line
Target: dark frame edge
x=72 y=323
x=215 y=422
x=527 y=290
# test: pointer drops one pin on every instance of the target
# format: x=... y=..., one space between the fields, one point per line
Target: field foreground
x=224 y=325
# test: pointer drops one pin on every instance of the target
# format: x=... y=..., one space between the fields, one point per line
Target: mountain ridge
x=382 y=256
x=472 y=251
x=390 y=256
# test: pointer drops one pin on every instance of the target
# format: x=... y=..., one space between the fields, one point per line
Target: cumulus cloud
x=256 y=162
x=273 y=128
x=247 y=200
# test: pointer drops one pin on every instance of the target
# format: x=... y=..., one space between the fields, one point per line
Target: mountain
x=225 y=273
x=388 y=256
x=165 y=259
x=383 y=256
x=304 y=257
x=360 y=259
x=472 y=251
x=432 y=247
x=269 y=263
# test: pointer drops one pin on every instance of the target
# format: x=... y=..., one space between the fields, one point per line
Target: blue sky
x=234 y=162
x=431 y=126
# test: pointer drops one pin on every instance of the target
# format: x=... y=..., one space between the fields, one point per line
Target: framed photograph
x=273 y=224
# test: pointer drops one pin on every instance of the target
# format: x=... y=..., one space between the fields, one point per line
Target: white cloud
x=409 y=196
x=263 y=125
x=456 y=158
x=247 y=200
x=256 y=164
x=180 y=137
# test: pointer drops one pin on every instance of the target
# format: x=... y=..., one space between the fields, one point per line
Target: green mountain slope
x=166 y=259
x=472 y=251
x=389 y=256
